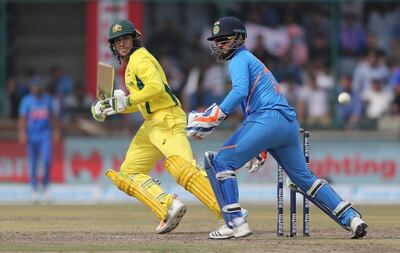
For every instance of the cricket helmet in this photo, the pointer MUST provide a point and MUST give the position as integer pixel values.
(120, 28)
(224, 30)
(227, 26)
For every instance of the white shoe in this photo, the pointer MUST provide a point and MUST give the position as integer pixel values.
(245, 213)
(175, 214)
(358, 227)
(222, 232)
(241, 228)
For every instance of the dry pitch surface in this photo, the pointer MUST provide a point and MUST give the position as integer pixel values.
(129, 228)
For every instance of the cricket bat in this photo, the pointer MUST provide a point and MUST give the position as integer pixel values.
(105, 81)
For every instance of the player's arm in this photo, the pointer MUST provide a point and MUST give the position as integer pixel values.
(153, 86)
(239, 73)
(202, 124)
(130, 109)
(23, 112)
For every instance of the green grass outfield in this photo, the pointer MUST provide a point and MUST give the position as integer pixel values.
(130, 228)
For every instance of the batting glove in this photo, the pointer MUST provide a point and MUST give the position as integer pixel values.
(202, 124)
(97, 111)
(117, 103)
(256, 163)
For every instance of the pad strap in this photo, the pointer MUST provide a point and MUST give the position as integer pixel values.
(232, 208)
(342, 208)
(224, 175)
(316, 186)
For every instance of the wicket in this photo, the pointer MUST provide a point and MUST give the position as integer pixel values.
(292, 196)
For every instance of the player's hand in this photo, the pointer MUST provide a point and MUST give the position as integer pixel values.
(202, 124)
(116, 104)
(97, 111)
(256, 163)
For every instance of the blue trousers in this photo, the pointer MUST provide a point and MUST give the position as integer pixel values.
(39, 147)
(281, 138)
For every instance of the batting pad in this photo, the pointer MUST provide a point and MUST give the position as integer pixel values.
(188, 176)
(216, 185)
(145, 189)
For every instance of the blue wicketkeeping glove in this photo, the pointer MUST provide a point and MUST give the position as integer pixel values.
(202, 124)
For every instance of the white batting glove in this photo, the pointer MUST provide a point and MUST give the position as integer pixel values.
(202, 124)
(116, 104)
(256, 163)
(97, 111)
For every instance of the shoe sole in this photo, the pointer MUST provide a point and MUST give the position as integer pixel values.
(245, 235)
(220, 237)
(361, 231)
(174, 222)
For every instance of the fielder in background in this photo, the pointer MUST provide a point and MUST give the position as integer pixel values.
(38, 124)
(162, 133)
(270, 125)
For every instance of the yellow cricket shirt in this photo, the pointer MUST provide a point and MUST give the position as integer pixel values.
(147, 84)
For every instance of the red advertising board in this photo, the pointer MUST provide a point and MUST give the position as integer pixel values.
(14, 162)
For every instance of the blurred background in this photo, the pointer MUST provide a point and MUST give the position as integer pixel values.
(315, 49)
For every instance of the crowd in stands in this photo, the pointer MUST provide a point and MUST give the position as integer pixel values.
(314, 50)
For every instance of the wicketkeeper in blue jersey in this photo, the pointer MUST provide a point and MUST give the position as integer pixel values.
(270, 125)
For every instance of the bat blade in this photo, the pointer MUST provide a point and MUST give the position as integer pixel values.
(105, 81)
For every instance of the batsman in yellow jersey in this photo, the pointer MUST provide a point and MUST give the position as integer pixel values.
(162, 133)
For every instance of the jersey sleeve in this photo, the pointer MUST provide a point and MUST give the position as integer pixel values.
(149, 75)
(239, 72)
(24, 107)
(131, 109)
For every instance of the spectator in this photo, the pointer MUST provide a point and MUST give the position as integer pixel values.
(262, 53)
(313, 107)
(37, 125)
(60, 86)
(213, 84)
(373, 66)
(394, 82)
(291, 91)
(318, 35)
(173, 73)
(299, 48)
(17, 89)
(78, 103)
(377, 100)
(172, 40)
(195, 54)
(350, 114)
(351, 36)
(352, 42)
